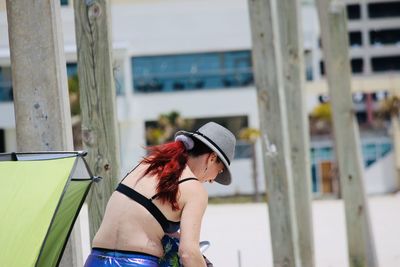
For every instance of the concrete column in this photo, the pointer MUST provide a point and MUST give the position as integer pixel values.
(42, 112)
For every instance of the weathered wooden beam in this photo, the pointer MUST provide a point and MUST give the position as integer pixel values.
(97, 97)
(394, 110)
(291, 48)
(269, 82)
(334, 33)
(395, 133)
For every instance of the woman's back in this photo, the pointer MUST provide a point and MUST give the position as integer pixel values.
(128, 225)
(164, 193)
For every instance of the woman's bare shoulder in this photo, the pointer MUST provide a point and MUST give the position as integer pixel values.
(193, 190)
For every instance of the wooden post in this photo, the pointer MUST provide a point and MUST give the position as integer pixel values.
(274, 131)
(394, 118)
(394, 111)
(97, 96)
(291, 48)
(256, 196)
(334, 33)
(42, 112)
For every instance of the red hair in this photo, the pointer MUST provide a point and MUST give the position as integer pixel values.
(167, 162)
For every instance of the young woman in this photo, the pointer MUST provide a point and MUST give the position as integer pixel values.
(163, 194)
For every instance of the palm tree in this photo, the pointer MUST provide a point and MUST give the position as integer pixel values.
(321, 119)
(167, 125)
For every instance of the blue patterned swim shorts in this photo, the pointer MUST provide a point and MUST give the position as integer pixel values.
(113, 258)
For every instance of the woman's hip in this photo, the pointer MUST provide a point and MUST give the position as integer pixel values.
(100, 257)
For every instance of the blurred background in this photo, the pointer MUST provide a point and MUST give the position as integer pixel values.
(178, 64)
(181, 63)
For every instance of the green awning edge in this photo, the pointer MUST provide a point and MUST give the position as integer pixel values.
(79, 155)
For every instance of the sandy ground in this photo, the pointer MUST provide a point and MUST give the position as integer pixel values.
(239, 233)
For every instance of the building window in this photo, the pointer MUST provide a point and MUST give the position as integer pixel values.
(384, 37)
(308, 64)
(384, 10)
(380, 64)
(72, 69)
(72, 73)
(323, 161)
(158, 132)
(355, 39)
(353, 11)
(192, 71)
(119, 79)
(322, 67)
(2, 141)
(64, 2)
(6, 93)
(357, 65)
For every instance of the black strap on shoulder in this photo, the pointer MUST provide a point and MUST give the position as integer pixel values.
(130, 172)
(145, 202)
(181, 181)
(187, 179)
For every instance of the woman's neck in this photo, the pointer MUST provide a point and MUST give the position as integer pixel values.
(194, 167)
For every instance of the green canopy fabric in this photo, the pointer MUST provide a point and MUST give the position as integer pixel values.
(41, 195)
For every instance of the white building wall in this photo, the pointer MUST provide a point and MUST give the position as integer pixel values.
(192, 104)
(381, 177)
(175, 27)
(11, 140)
(7, 115)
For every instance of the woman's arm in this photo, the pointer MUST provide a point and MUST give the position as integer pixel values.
(196, 200)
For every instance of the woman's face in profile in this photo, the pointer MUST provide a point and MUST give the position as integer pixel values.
(215, 167)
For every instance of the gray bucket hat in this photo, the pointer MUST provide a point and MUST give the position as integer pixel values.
(221, 141)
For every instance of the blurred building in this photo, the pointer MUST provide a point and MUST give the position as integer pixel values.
(194, 57)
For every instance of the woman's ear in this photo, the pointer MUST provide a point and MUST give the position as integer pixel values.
(209, 157)
(214, 156)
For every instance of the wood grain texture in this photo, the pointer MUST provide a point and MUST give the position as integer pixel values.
(97, 96)
(332, 17)
(267, 65)
(291, 48)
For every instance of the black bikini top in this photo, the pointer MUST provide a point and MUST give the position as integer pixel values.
(167, 225)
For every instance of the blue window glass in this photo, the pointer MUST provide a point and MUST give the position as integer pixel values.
(371, 152)
(324, 153)
(370, 155)
(192, 71)
(72, 70)
(314, 178)
(243, 150)
(309, 73)
(6, 93)
(385, 148)
(312, 155)
(119, 80)
(64, 2)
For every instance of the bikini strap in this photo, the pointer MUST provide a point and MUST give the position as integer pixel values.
(187, 179)
(130, 172)
(181, 181)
